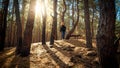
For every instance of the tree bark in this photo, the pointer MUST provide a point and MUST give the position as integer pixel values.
(106, 34)
(87, 24)
(73, 12)
(74, 25)
(25, 51)
(54, 24)
(44, 25)
(55, 19)
(63, 12)
(92, 25)
(19, 27)
(11, 27)
(3, 24)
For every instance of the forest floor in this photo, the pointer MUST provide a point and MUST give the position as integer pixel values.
(64, 54)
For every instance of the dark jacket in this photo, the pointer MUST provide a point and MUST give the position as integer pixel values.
(62, 28)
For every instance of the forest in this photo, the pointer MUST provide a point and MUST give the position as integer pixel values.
(59, 33)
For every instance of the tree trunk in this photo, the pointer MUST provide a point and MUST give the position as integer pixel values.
(23, 16)
(55, 19)
(25, 51)
(14, 34)
(3, 24)
(73, 13)
(87, 24)
(92, 25)
(8, 34)
(12, 25)
(106, 34)
(54, 24)
(63, 12)
(19, 27)
(74, 25)
(44, 25)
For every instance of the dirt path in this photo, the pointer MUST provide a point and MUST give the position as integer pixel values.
(64, 54)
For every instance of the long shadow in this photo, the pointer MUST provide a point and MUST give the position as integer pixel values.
(4, 58)
(20, 62)
(63, 51)
(75, 42)
(6, 50)
(55, 58)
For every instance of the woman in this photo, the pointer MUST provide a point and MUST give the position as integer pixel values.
(62, 30)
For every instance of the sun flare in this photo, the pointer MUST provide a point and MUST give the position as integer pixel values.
(38, 8)
(42, 8)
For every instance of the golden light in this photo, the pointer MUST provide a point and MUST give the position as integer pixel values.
(43, 7)
(38, 8)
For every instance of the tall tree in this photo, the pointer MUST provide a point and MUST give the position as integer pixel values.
(54, 24)
(76, 22)
(11, 26)
(25, 50)
(93, 7)
(55, 18)
(92, 26)
(3, 24)
(63, 12)
(23, 16)
(44, 24)
(87, 24)
(19, 27)
(106, 34)
(73, 12)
